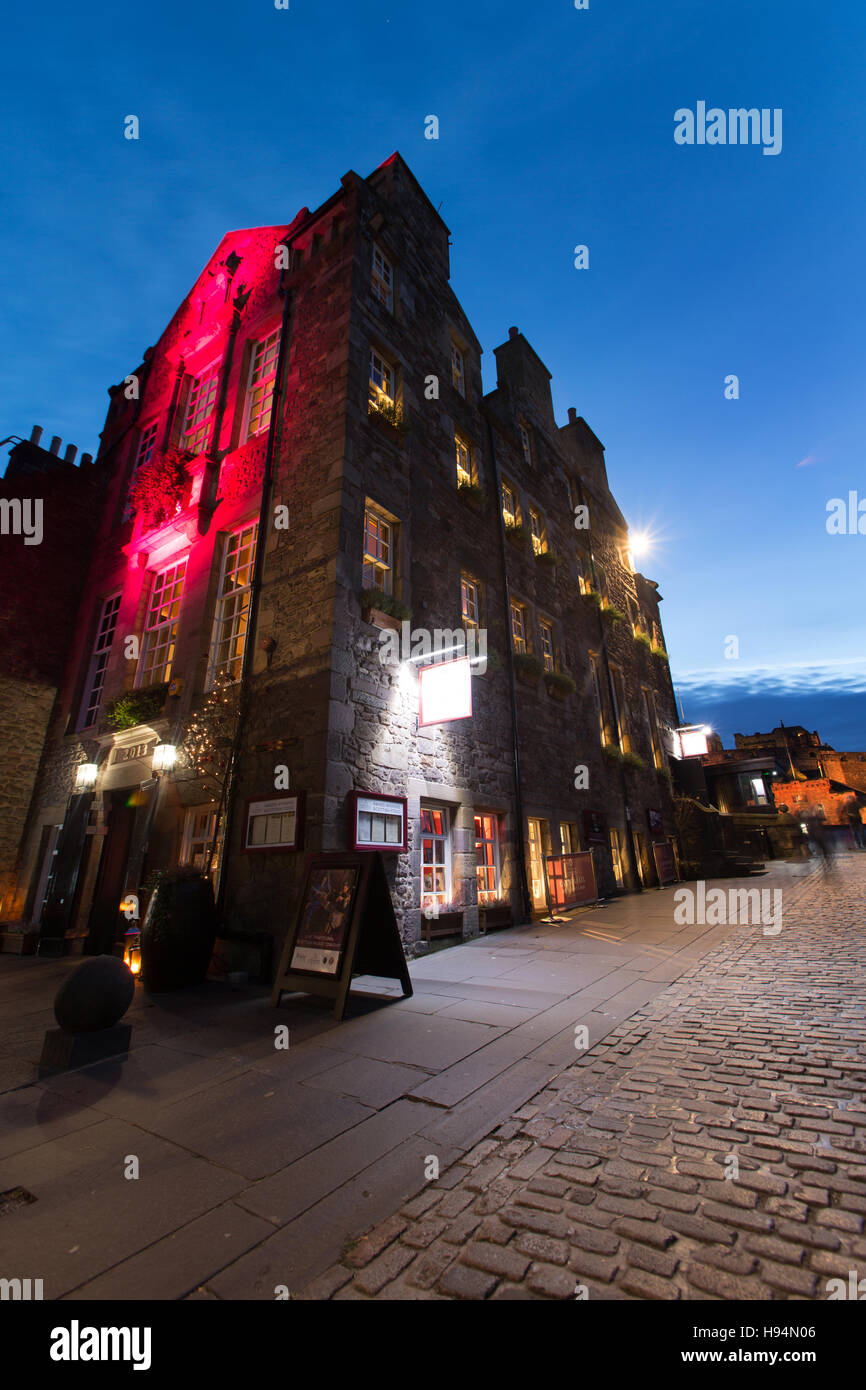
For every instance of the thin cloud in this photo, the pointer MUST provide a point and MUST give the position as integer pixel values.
(794, 678)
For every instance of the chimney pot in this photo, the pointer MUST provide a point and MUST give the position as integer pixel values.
(86, 460)
(572, 415)
(55, 445)
(513, 332)
(71, 451)
(36, 434)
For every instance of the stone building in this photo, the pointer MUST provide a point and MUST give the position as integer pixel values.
(304, 462)
(48, 511)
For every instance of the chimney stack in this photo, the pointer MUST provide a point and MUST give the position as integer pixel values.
(71, 451)
(35, 434)
(572, 415)
(55, 445)
(86, 460)
(513, 332)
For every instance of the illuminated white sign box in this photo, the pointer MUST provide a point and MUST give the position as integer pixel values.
(445, 692)
(690, 741)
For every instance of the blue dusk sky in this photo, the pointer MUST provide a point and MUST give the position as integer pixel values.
(556, 129)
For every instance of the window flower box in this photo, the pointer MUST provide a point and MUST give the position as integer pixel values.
(388, 415)
(613, 753)
(449, 922)
(559, 684)
(660, 653)
(547, 559)
(494, 916)
(473, 493)
(160, 488)
(635, 761)
(593, 596)
(136, 706)
(615, 614)
(527, 667)
(519, 536)
(383, 610)
(643, 639)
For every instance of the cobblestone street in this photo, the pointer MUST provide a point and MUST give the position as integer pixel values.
(619, 1178)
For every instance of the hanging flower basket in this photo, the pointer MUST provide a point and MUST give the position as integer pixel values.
(559, 684)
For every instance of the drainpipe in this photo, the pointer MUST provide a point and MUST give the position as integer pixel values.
(632, 857)
(230, 784)
(515, 742)
(207, 503)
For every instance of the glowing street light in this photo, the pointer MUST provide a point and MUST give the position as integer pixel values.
(164, 756)
(85, 776)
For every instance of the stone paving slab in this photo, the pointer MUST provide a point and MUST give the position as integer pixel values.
(711, 1146)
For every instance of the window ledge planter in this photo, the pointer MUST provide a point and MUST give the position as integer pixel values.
(559, 684)
(616, 615)
(644, 640)
(518, 535)
(527, 667)
(612, 753)
(473, 493)
(664, 774)
(136, 706)
(494, 916)
(592, 596)
(547, 559)
(383, 610)
(448, 923)
(660, 653)
(389, 417)
(635, 761)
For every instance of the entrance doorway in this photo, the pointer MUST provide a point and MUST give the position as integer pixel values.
(539, 840)
(106, 922)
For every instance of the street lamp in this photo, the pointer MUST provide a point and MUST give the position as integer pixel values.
(164, 756)
(85, 777)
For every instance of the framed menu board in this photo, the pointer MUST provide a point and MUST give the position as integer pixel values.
(274, 823)
(344, 925)
(377, 821)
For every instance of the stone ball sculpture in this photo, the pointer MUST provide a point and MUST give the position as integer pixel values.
(94, 996)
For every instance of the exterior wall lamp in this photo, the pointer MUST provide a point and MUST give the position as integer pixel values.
(164, 757)
(85, 776)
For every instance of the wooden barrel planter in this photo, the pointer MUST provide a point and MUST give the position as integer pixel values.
(178, 933)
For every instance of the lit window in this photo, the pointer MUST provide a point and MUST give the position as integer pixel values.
(518, 627)
(146, 444)
(569, 837)
(233, 603)
(98, 662)
(548, 655)
(539, 531)
(435, 858)
(260, 387)
(617, 854)
(199, 409)
(383, 279)
(469, 602)
(458, 371)
(583, 574)
(510, 509)
(381, 379)
(619, 707)
(526, 444)
(198, 833)
(487, 858)
(650, 710)
(596, 686)
(160, 633)
(464, 461)
(378, 548)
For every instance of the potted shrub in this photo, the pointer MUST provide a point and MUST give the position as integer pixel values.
(136, 706)
(527, 667)
(559, 684)
(179, 930)
(157, 489)
(634, 760)
(517, 534)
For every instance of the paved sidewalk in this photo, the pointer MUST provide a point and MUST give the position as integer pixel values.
(259, 1167)
(618, 1181)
